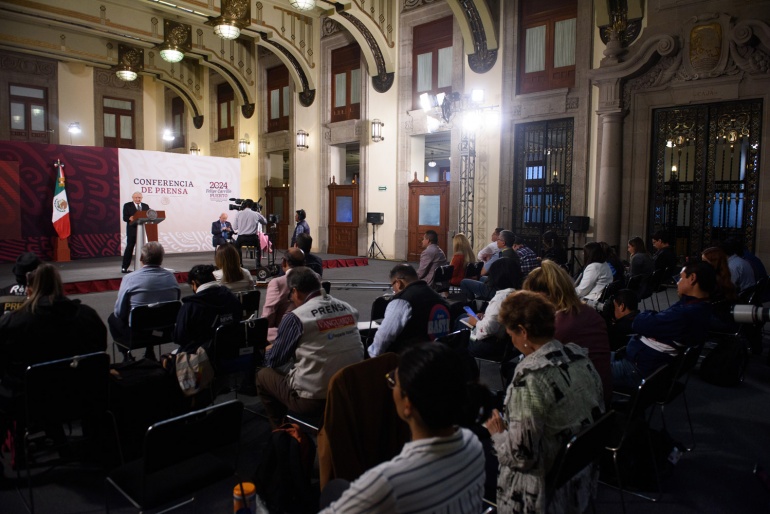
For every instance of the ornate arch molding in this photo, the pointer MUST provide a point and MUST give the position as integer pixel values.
(479, 30)
(301, 76)
(381, 63)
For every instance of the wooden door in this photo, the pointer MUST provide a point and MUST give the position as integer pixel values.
(343, 219)
(277, 202)
(428, 210)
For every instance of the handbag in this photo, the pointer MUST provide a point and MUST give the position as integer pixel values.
(194, 371)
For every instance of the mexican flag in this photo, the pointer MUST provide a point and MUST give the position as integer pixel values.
(61, 208)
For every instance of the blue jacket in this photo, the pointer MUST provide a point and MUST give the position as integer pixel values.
(683, 324)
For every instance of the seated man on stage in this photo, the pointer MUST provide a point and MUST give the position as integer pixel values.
(221, 231)
(416, 313)
(150, 284)
(315, 340)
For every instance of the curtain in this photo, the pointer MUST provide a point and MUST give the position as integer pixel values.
(564, 43)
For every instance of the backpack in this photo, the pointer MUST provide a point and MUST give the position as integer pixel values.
(726, 363)
(283, 475)
(194, 371)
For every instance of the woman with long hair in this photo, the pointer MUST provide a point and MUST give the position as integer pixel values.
(462, 255)
(555, 392)
(640, 261)
(442, 468)
(576, 322)
(48, 326)
(230, 273)
(596, 274)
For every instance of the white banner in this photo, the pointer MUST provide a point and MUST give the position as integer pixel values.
(193, 190)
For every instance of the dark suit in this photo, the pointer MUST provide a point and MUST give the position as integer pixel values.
(216, 231)
(129, 209)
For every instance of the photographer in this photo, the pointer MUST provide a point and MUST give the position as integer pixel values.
(247, 227)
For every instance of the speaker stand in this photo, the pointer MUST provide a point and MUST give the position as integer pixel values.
(374, 248)
(574, 259)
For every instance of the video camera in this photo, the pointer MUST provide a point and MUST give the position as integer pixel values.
(240, 203)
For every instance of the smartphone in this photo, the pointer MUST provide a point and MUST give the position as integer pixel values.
(470, 312)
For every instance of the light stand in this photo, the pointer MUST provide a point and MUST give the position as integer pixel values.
(574, 259)
(374, 248)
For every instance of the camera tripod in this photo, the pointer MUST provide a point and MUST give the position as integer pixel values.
(574, 258)
(374, 248)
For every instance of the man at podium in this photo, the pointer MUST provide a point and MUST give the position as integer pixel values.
(129, 209)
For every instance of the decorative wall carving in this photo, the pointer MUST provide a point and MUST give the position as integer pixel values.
(381, 80)
(307, 95)
(329, 27)
(409, 5)
(482, 59)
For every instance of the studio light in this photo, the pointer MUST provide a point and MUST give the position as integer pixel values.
(74, 128)
(168, 135)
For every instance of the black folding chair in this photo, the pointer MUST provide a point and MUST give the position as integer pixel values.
(582, 450)
(473, 270)
(236, 351)
(645, 395)
(327, 286)
(250, 301)
(149, 326)
(73, 392)
(441, 278)
(181, 456)
(376, 315)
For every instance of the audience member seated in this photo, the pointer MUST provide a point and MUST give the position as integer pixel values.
(553, 249)
(431, 257)
(616, 265)
(491, 249)
(277, 302)
(664, 257)
(305, 242)
(741, 272)
(576, 322)
(505, 243)
(661, 336)
(416, 313)
(487, 334)
(555, 393)
(625, 308)
(149, 284)
(527, 257)
(479, 289)
(596, 275)
(724, 295)
(25, 263)
(462, 256)
(210, 306)
(640, 261)
(230, 273)
(48, 326)
(442, 468)
(315, 340)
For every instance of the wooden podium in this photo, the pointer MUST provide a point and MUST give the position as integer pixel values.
(147, 221)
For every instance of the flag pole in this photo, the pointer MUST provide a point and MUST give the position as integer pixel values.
(61, 248)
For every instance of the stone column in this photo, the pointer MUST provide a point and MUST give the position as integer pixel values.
(608, 181)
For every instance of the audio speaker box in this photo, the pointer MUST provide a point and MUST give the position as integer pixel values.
(375, 218)
(578, 224)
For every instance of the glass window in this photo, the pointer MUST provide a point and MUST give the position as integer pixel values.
(432, 58)
(346, 83)
(564, 44)
(340, 84)
(535, 44)
(38, 118)
(109, 125)
(424, 72)
(279, 98)
(355, 86)
(118, 116)
(118, 104)
(18, 119)
(275, 104)
(430, 210)
(344, 209)
(29, 92)
(225, 112)
(28, 108)
(286, 100)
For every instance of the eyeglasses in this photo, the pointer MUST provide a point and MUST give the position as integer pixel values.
(390, 378)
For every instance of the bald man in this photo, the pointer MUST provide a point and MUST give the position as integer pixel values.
(221, 230)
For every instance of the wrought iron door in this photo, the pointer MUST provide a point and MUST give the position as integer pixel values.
(542, 179)
(706, 173)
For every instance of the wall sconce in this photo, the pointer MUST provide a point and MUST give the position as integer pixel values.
(131, 61)
(177, 38)
(236, 15)
(243, 146)
(377, 131)
(302, 137)
(302, 5)
(168, 136)
(74, 128)
(194, 150)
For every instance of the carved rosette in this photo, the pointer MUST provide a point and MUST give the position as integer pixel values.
(247, 110)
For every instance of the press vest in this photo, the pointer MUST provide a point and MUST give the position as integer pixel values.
(430, 316)
(330, 341)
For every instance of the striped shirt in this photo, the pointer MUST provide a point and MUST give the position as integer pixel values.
(439, 474)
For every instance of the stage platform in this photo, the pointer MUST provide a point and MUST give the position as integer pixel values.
(103, 274)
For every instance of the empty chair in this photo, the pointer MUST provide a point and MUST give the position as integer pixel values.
(67, 391)
(181, 456)
(250, 302)
(376, 315)
(442, 277)
(150, 325)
